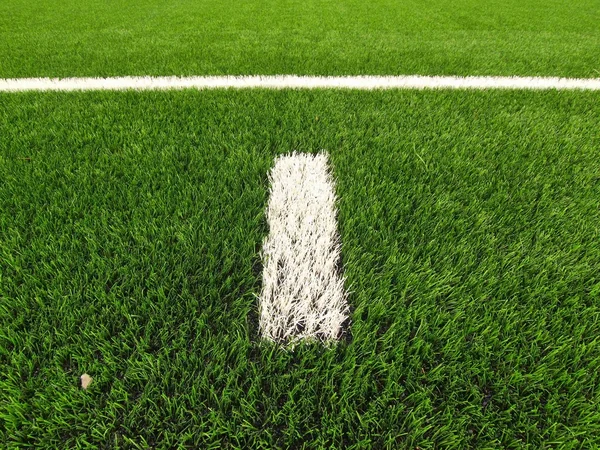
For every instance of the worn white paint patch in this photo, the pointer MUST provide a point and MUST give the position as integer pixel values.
(303, 294)
(296, 82)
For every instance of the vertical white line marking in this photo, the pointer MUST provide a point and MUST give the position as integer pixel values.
(303, 294)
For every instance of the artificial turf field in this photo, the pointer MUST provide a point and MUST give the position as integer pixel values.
(303, 37)
(131, 229)
(131, 225)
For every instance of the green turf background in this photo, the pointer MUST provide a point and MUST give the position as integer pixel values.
(130, 231)
(324, 37)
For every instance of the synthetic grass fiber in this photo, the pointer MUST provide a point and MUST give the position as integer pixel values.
(131, 226)
(304, 37)
(302, 294)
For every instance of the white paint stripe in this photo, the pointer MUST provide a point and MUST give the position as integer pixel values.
(295, 82)
(303, 294)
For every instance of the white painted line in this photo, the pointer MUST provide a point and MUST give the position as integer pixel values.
(296, 82)
(303, 294)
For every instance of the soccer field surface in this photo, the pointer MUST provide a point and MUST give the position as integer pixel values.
(131, 232)
(302, 37)
(133, 226)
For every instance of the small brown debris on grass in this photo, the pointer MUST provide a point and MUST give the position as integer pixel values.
(86, 380)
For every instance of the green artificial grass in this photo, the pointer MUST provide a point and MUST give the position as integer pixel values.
(130, 234)
(343, 37)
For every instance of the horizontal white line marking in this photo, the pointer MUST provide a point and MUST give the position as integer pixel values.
(295, 82)
(303, 294)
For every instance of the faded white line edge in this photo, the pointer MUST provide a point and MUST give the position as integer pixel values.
(303, 295)
(296, 82)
